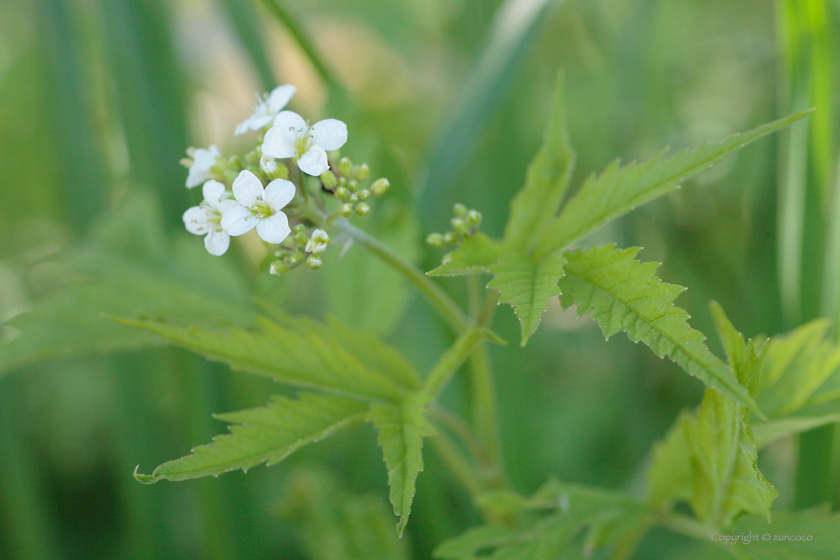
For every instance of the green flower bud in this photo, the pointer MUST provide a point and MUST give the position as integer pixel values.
(474, 218)
(353, 185)
(341, 193)
(300, 228)
(301, 239)
(346, 210)
(450, 238)
(294, 259)
(435, 240)
(362, 210)
(278, 268)
(353, 198)
(380, 186)
(328, 178)
(313, 262)
(236, 163)
(460, 226)
(459, 210)
(345, 167)
(342, 181)
(364, 194)
(362, 173)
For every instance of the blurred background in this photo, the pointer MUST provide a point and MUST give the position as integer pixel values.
(448, 99)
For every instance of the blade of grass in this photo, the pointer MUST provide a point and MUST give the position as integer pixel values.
(302, 39)
(514, 28)
(831, 279)
(244, 20)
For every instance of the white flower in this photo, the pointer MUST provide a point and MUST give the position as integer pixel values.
(292, 137)
(202, 163)
(318, 242)
(258, 207)
(266, 108)
(206, 219)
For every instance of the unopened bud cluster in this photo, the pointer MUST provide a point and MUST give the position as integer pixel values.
(308, 249)
(464, 222)
(346, 183)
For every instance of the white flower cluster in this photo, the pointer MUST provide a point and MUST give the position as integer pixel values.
(251, 203)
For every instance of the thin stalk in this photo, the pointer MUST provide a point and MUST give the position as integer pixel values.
(440, 300)
(458, 464)
(485, 415)
(684, 525)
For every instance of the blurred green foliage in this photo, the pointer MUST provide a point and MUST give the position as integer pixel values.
(98, 101)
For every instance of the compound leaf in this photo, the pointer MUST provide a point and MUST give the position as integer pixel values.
(623, 294)
(402, 427)
(618, 190)
(264, 435)
(476, 253)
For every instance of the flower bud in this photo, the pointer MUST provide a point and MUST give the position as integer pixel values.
(459, 210)
(435, 240)
(346, 210)
(345, 167)
(236, 163)
(300, 228)
(353, 198)
(329, 180)
(460, 226)
(450, 238)
(294, 259)
(313, 262)
(342, 181)
(353, 185)
(362, 173)
(474, 218)
(364, 194)
(341, 193)
(301, 239)
(380, 186)
(278, 268)
(362, 210)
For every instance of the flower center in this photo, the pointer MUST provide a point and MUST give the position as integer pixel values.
(304, 140)
(261, 209)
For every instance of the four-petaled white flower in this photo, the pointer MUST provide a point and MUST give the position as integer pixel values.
(202, 164)
(258, 207)
(266, 108)
(206, 218)
(318, 242)
(292, 137)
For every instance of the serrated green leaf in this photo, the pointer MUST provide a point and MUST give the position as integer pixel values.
(623, 294)
(476, 253)
(801, 373)
(726, 479)
(801, 535)
(266, 434)
(669, 474)
(401, 428)
(546, 182)
(610, 516)
(527, 284)
(307, 359)
(745, 359)
(618, 190)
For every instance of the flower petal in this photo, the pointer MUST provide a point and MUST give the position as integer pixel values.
(241, 128)
(195, 220)
(280, 97)
(290, 120)
(247, 188)
(279, 193)
(212, 191)
(236, 219)
(313, 161)
(279, 142)
(330, 134)
(217, 242)
(274, 229)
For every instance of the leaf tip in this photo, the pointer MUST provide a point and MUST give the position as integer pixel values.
(143, 478)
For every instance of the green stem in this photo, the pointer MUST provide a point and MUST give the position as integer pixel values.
(458, 464)
(443, 304)
(684, 525)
